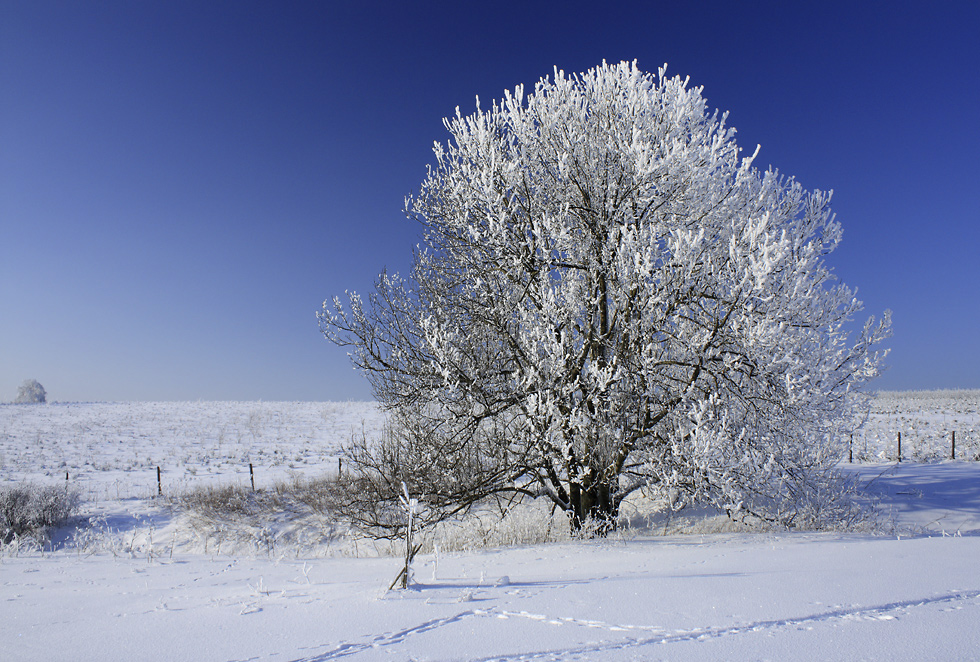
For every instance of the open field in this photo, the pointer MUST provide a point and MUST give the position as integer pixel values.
(927, 421)
(113, 449)
(116, 447)
(133, 568)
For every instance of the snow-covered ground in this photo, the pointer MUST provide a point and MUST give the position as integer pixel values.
(914, 594)
(734, 597)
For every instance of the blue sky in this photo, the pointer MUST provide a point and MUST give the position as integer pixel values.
(182, 184)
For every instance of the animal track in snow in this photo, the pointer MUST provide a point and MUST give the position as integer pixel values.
(885, 612)
(649, 634)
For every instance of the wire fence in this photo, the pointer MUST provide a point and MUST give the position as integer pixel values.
(896, 445)
(919, 426)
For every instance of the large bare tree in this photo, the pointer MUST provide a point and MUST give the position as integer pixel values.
(609, 296)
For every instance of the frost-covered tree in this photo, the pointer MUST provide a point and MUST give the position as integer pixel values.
(610, 296)
(31, 392)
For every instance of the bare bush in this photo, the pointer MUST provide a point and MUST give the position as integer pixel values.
(218, 500)
(299, 512)
(319, 495)
(30, 510)
(420, 454)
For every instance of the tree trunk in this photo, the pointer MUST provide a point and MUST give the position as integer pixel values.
(593, 508)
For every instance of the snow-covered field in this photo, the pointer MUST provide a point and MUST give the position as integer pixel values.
(113, 449)
(926, 420)
(129, 591)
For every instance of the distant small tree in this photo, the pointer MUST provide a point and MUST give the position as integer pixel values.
(31, 392)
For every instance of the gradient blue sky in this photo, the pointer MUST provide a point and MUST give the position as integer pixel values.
(182, 184)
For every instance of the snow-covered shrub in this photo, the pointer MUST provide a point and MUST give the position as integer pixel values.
(297, 513)
(530, 523)
(30, 510)
(219, 500)
(319, 495)
(31, 392)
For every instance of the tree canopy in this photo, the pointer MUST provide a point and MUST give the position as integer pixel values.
(31, 392)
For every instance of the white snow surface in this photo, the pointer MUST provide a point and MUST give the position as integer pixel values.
(914, 594)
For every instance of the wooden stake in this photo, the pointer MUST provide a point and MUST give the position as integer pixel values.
(952, 450)
(899, 446)
(159, 484)
(251, 475)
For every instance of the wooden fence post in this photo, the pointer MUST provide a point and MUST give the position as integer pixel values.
(159, 484)
(900, 446)
(952, 449)
(850, 449)
(251, 475)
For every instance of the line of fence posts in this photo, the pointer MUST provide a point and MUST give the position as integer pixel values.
(251, 475)
(251, 478)
(952, 445)
(850, 447)
(340, 461)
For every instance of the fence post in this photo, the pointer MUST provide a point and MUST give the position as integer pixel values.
(900, 446)
(159, 484)
(850, 449)
(952, 449)
(251, 475)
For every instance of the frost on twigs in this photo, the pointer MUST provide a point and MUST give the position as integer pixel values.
(610, 296)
